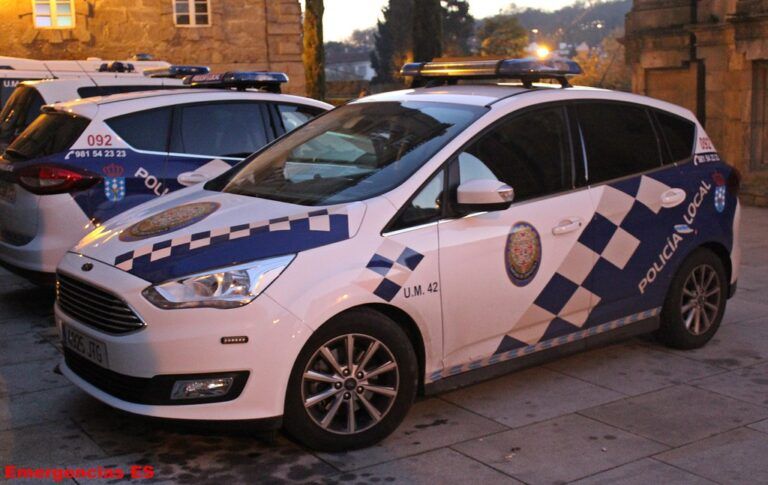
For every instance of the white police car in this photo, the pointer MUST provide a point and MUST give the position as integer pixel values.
(14, 70)
(410, 241)
(24, 105)
(85, 161)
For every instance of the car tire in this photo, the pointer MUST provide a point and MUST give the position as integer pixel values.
(378, 389)
(695, 302)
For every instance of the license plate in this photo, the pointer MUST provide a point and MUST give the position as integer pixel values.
(86, 346)
(7, 192)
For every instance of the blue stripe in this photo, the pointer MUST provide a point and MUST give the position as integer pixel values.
(223, 252)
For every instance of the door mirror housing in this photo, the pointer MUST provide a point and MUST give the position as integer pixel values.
(210, 170)
(484, 195)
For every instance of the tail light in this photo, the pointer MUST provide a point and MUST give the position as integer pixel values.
(54, 179)
(734, 182)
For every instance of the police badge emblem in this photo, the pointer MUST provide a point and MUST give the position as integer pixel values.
(169, 220)
(114, 182)
(522, 255)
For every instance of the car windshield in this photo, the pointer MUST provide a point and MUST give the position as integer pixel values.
(49, 134)
(22, 108)
(353, 153)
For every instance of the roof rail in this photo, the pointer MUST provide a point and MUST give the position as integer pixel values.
(529, 71)
(239, 80)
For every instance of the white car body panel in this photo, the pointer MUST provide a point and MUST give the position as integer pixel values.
(474, 310)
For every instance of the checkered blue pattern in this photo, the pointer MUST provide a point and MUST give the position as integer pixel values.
(389, 269)
(606, 245)
(318, 221)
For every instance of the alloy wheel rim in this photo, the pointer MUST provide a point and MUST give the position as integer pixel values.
(700, 303)
(350, 384)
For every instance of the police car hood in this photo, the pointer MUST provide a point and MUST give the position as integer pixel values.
(195, 230)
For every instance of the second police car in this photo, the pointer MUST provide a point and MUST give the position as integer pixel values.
(410, 241)
(23, 106)
(85, 161)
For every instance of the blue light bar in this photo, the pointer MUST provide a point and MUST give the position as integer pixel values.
(532, 66)
(241, 80)
(176, 71)
(527, 70)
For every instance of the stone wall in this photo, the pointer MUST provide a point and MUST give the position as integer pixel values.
(709, 56)
(252, 34)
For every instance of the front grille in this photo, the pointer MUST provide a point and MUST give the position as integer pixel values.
(95, 307)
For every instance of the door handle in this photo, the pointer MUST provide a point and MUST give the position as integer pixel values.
(568, 225)
(672, 198)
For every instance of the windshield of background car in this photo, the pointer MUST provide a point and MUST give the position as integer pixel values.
(49, 134)
(22, 108)
(353, 153)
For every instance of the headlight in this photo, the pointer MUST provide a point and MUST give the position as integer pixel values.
(226, 288)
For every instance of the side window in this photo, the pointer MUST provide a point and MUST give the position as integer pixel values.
(529, 152)
(144, 130)
(233, 130)
(680, 135)
(292, 115)
(425, 207)
(619, 140)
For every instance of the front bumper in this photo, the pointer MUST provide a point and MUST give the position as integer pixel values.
(183, 343)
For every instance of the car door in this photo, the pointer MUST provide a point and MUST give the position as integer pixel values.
(208, 137)
(638, 202)
(514, 278)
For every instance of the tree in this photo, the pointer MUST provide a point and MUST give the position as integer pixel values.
(363, 38)
(392, 40)
(458, 28)
(314, 54)
(502, 35)
(427, 30)
(604, 66)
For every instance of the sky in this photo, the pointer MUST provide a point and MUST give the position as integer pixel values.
(343, 16)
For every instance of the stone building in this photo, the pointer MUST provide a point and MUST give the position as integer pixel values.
(710, 56)
(224, 34)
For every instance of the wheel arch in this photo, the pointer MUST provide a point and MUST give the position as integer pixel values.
(406, 323)
(725, 257)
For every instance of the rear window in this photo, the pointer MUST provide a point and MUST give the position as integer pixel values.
(619, 140)
(7, 87)
(144, 130)
(49, 134)
(679, 134)
(22, 109)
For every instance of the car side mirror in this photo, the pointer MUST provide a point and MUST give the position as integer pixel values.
(191, 178)
(484, 195)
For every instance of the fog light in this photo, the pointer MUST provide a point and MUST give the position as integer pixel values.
(201, 388)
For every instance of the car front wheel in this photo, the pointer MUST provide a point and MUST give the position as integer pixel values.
(352, 384)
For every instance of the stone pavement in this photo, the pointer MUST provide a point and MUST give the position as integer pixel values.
(634, 412)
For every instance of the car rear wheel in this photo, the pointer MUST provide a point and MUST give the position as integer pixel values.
(695, 302)
(352, 384)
